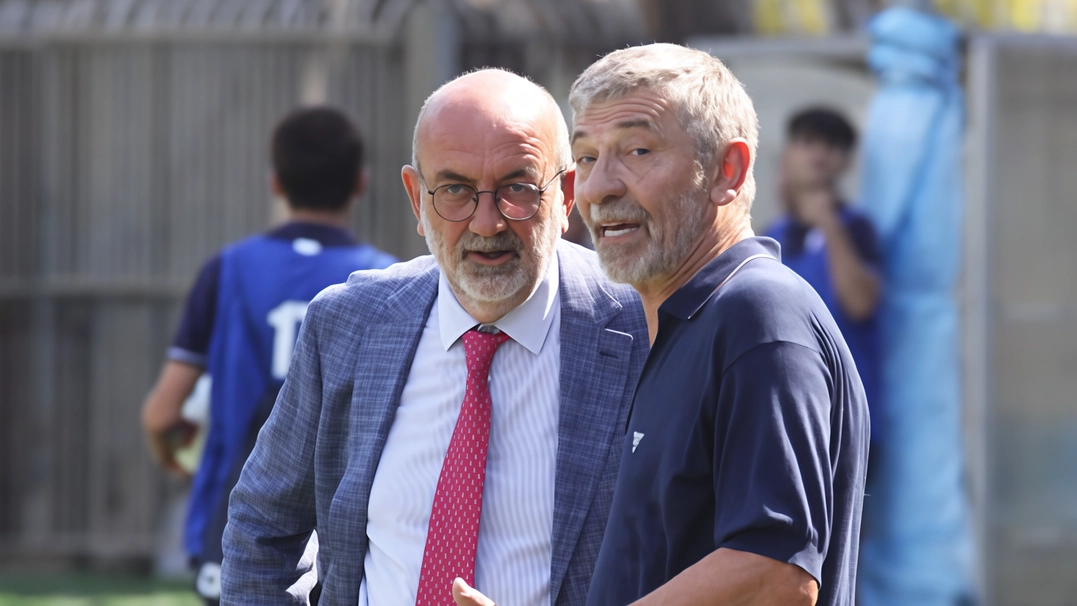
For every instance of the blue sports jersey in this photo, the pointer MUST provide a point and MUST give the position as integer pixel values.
(263, 288)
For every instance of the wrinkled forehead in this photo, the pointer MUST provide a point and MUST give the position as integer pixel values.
(640, 108)
(661, 92)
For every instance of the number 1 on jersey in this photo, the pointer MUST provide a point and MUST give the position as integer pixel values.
(285, 320)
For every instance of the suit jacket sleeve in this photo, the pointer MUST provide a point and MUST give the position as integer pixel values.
(271, 512)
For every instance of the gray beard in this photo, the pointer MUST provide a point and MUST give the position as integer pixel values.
(663, 252)
(490, 283)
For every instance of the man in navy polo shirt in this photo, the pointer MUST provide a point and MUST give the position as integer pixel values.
(742, 471)
(243, 315)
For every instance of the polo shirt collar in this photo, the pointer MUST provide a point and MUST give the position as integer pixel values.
(690, 298)
(528, 324)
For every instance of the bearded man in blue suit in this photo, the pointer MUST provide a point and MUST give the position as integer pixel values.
(458, 415)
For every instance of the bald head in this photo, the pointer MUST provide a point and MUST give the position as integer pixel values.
(492, 133)
(491, 98)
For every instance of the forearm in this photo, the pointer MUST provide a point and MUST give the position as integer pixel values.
(855, 283)
(736, 578)
(162, 411)
(165, 400)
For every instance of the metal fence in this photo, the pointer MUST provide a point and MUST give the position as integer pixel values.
(133, 143)
(138, 158)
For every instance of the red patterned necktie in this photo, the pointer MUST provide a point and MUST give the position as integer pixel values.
(453, 535)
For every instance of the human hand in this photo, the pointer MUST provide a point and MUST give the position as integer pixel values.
(815, 206)
(465, 595)
(167, 431)
(167, 434)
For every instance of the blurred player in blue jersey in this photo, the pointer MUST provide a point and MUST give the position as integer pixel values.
(243, 314)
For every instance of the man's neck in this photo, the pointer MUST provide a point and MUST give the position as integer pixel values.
(338, 218)
(655, 292)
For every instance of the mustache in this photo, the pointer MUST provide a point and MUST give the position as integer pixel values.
(472, 242)
(620, 211)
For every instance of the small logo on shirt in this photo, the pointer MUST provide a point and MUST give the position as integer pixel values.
(636, 437)
(307, 247)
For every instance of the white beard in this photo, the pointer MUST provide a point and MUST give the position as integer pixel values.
(493, 283)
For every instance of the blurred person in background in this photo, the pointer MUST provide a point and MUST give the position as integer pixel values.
(243, 314)
(460, 414)
(832, 245)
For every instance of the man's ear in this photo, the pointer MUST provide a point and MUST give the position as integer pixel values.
(568, 193)
(361, 183)
(733, 165)
(413, 185)
(275, 187)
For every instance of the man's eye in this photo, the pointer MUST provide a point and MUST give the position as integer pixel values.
(639, 151)
(517, 188)
(584, 160)
(455, 189)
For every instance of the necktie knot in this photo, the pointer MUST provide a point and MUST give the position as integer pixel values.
(480, 347)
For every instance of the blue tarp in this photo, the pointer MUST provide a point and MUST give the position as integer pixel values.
(916, 547)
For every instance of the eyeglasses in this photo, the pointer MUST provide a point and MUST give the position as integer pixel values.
(515, 201)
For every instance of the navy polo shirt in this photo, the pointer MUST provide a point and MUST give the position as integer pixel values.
(748, 431)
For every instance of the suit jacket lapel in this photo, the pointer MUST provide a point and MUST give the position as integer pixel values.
(593, 376)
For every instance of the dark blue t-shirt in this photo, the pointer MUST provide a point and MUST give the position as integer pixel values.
(748, 431)
(804, 251)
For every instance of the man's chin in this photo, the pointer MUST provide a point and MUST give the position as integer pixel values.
(478, 273)
(492, 286)
(622, 270)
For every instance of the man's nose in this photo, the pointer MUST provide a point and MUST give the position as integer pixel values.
(487, 220)
(602, 183)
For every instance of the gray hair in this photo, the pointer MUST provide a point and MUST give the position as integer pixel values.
(712, 104)
(562, 148)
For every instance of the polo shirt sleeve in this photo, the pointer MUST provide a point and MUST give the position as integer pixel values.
(772, 463)
(191, 341)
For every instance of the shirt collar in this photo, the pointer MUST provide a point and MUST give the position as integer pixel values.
(326, 235)
(528, 324)
(690, 298)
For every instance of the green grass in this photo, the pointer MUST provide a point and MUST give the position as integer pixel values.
(86, 590)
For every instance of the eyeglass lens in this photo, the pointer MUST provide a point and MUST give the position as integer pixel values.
(456, 202)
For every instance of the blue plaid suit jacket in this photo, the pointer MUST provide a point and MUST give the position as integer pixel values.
(316, 456)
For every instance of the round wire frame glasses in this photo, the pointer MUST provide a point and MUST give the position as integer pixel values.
(457, 202)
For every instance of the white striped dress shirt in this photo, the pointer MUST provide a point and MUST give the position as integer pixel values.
(514, 552)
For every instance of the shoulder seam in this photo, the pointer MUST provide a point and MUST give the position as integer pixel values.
(767, 344)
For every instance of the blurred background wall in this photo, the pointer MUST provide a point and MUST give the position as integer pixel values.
(133, 143)
(1020, 307)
